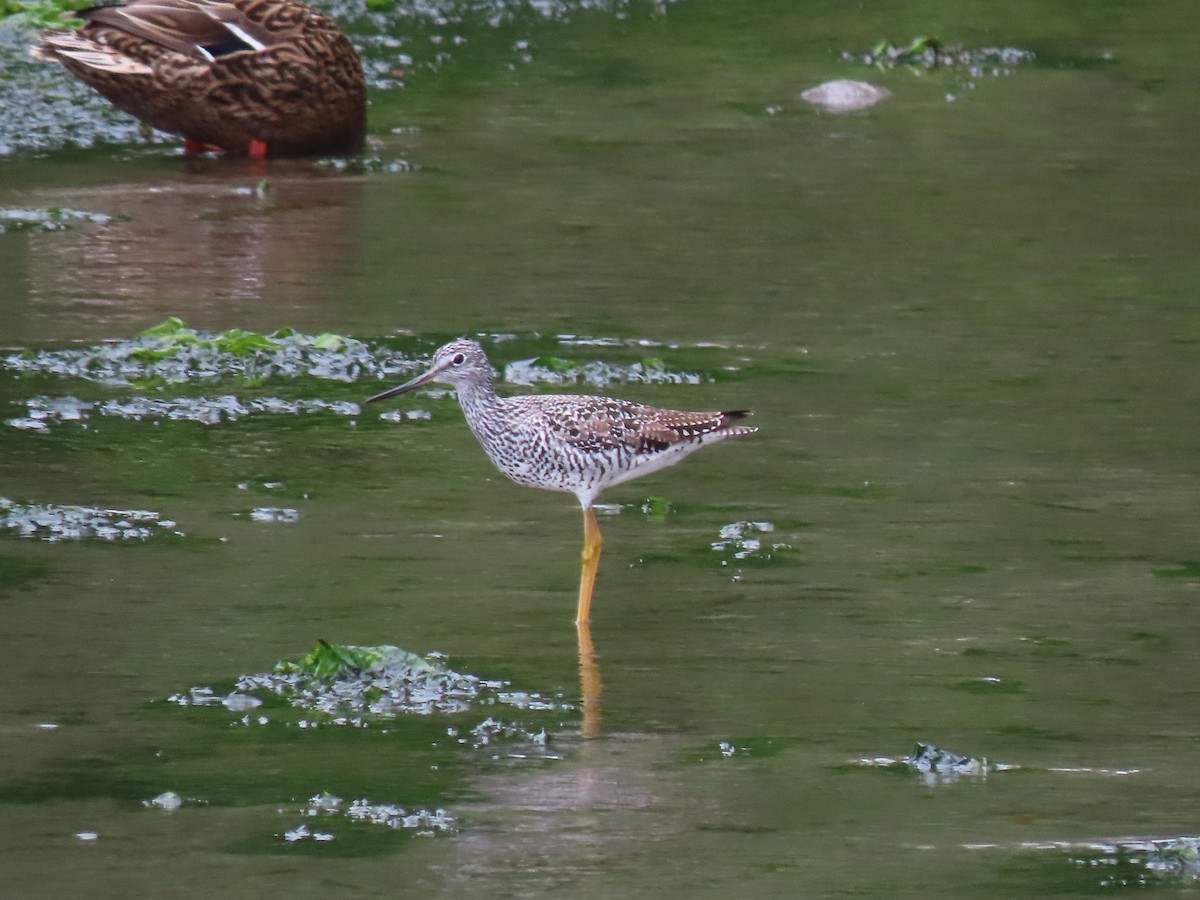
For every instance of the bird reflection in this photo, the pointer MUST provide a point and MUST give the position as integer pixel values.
(216, 244)
(589, 681)
(548, 828)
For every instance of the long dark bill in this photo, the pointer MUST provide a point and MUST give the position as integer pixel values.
(407, 386)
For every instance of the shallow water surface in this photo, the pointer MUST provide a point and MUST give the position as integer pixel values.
(965, 320)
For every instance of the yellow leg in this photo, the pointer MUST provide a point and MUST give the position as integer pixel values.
(589, 681)
(592, 544)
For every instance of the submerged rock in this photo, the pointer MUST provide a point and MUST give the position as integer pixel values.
(844, 95)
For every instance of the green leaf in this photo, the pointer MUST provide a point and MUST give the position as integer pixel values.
(171, 326)
(149, 354)
(243, 343)
(656, 507)
(187, 338)
(331, 660)
(328, 660)
(327, 341)
(555, 363)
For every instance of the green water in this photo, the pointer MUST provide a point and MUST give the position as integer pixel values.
(968, 332)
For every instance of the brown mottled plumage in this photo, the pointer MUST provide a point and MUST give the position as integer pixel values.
(570, 442)
(233, 74)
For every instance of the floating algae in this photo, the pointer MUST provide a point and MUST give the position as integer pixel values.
(325, 807)
(174, 353)
(53, 523)
(52, 219)
(355, 686)
(43, 411)
(274, 514)
(1126, 861)
(1168, 857)
(741, 541)
(937, 766)
(927, 54)
(553, 370)
(964, 67)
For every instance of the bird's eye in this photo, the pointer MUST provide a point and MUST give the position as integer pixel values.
(459, 359)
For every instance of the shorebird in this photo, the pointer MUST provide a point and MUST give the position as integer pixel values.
(570, 442)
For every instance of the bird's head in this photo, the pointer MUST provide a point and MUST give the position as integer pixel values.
(454, 363)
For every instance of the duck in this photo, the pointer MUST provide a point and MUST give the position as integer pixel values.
(253, 78)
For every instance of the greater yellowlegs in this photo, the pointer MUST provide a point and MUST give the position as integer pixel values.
(570, 442)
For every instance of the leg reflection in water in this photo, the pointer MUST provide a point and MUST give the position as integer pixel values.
(589, 681)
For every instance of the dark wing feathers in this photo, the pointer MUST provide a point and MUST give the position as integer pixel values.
(648, 429)
(673, 426)
(179, 26)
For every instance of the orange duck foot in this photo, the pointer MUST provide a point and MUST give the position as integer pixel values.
(256, 149)
(191, 145)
